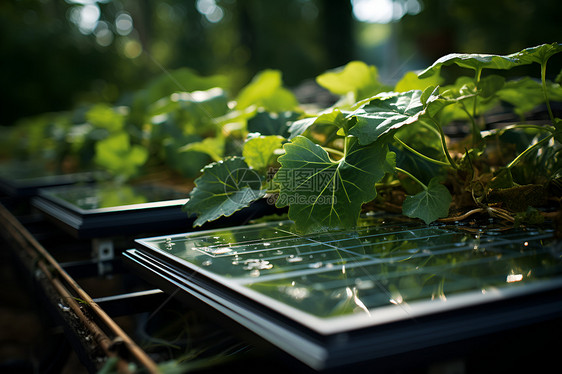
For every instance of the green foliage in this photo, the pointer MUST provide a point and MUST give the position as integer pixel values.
(355, 81)
(525, 94)
(323, 193)
(117, 155)
(539, 54)
(385, 114)
(430, 204)
(260, 152)
(411, 81)
(267, 123)
(266, 91)
(224, 188)
(475, 62)
(105, 117)
(373, 148)
(214, 147)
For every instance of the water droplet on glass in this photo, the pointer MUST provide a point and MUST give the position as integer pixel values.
(316, 265)
(255, 273)
(293, 258)
(207, 263)
(253, 264)
(364, 284)
(278, 252)
(266, 244)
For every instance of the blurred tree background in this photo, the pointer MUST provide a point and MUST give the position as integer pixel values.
(59, 54)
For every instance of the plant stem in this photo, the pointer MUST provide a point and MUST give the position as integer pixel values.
(475, 130)
(438, 162)
(476, 82)
(549, 129)
(334, 151)
(528, 150)
(444, 144)
(393, 183)
(346, 145)
(411, 176)
(545, 92)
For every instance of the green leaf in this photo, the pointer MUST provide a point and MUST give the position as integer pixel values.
(502, 179)
(490, 85)
(187, 163)
(258, 152)
(334, 117)
(474, 62)
(214, 147)
(322, 193)
(224, 188)
(266, 91)
(411, 81)
(539, 54)
(119, 157)
(194, 112)
(525, 94)
(430, 204)
(355, 78)
(435, 102)
(104, 116)
(382, 115)
(267, 123)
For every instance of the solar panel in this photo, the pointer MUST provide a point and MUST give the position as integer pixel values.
(20, 178)
(105, 209)
(329, 298)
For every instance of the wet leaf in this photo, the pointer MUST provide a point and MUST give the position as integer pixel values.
(472, 61)
(322, 193)
(430, 204)
(224, 188)
(382, 115)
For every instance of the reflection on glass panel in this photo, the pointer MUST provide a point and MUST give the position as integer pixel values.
(90, 197)
(378, 264)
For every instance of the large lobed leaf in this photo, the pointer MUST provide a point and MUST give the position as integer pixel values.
(384, 114)
(224, 188)
(430, 204)
(539, 54)
(323, 193)
(473, 61)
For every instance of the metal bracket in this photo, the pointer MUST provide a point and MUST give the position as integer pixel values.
(103, 252)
